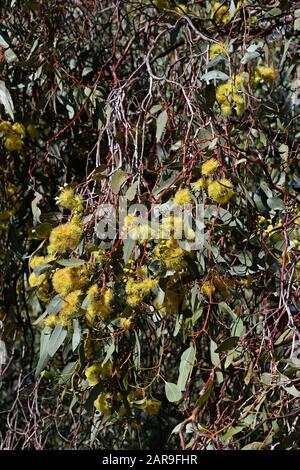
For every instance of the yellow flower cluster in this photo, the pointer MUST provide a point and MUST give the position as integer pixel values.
(68, 279)
(230, 95)
(35, 280)
(201, 183)
(137, 228)
(172, 301)
(96, 372)
(183, 196)
(104, 403)
(220, 14)
(71, 304)
(266, 226)
(173, 226)
(37, 261)
(218, 285)
(51, 321)
(151, 406)
(100, 303)
(209, 166)
(267, 74)
(220, 191)
(171, 254)
(69, 200)
(64, 237)
(33, 131)
(137, 290)
(14, 135)
(217, 49)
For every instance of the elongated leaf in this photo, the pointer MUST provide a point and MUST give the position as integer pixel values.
(76, 334)
(186, 367)
(6, 100)
(44, 356)
(56, 340)
(161, 123)
(72, 262)
(54, 305)
(67, 372)
(228, 344)
(215, 359)
(117, 180)
(128, 246)
(214, 75)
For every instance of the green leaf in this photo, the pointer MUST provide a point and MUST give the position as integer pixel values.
(76, 334)
(44, 356)
(275, 203)
(249, 56)
(137, 351)
(253, 446)
(228, 344)
(196, 315)
(56, 340)
(231, 432)
(215, 359)
(214, 75)
(71, 263)
(172, 392)
(161, 123)
(117, 180)
(6, 100)
(109, 352)
(131, 192)
(40, 231)
(186, 366)
(205, 396)
(128, 246)
(67, 373)
(54, 305)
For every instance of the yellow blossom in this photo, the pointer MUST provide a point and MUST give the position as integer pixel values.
(69, 200)
(200, 183)
(19, 129)
(5, 127)
(137, 290)
(71, 303)
(50, 321)
(183, 196)
(209, 166)
(68, 279)
(37, 261)
(64, 237)
(220, 191)
(217, 49)
(181, 8)
(268, 74)
(220, 14)
(35, 281)
(33, 131)
(151, 406)
(96, 372)
(104, 403)
(13, 143)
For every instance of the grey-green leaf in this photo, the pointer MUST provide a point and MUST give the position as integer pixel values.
(6, 100)
(56, 340)
(172, 391)
(161, 123)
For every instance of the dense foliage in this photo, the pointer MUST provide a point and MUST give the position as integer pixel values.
(141, 341)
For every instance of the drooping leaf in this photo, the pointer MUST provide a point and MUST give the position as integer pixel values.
(161, 123)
